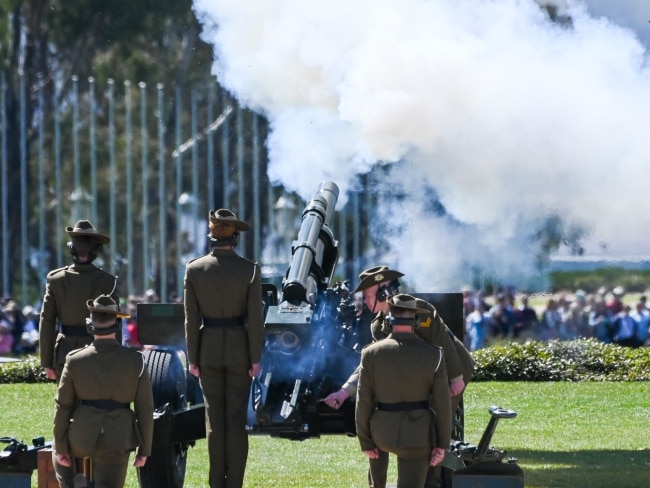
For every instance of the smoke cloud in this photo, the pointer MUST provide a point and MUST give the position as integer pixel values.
(501, 114)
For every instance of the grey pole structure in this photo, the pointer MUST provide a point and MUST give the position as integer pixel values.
(57, 177)
(5, 199)
(195, 168)
(257, 227)
(225, 156)
(145, 186)
(42, 269)
(162, 199)
(93, 152)
(128, 156)
(241, 183)
(180, 271)
(75, 149)
(113, 176)
(23, 189)
(210, 160)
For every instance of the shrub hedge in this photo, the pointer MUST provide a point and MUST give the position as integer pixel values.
(579, 360)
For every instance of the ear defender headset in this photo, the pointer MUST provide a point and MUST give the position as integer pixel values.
(385, 291)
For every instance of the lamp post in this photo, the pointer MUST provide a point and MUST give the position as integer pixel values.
(189, 243)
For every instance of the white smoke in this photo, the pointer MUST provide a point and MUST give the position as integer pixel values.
(506, 116)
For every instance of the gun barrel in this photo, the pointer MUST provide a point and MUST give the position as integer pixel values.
(315, 252)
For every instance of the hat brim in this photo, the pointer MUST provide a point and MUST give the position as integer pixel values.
(103, 239)
(368, 281)
(239, 225)
(118, 314)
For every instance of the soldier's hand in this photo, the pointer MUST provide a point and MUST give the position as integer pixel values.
(372, 453)
(437, 455)
(139, 461)
(50, 373)
(456, 387)
(254, 370)
(64, 460)
(194, 370)
(336, 399)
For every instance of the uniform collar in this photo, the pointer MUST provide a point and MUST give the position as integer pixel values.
(84, 267)
(105, 344)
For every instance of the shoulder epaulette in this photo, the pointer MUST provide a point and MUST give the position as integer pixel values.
(58, 270)
(254, 263)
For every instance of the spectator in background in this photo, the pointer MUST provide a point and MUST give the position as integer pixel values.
(615, 305)
(6, 336)
(599, 322)
(551, 319)
(16, 320)
(501, 317)
(625, 328)
(527, 320)
(641, 315)
(29, 338)
(476, 324)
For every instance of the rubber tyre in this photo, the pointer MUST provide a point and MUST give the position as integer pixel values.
(165, 468)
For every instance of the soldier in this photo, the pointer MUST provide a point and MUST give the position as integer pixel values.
(66, 292)
(93, 415)
(224, 330)
(403, 403)
(377, 284)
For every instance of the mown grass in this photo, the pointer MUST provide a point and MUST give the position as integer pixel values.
(566, 435)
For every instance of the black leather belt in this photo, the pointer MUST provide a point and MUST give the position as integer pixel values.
(105, 404)
(224, 322)
(74, 330)
(402, 406)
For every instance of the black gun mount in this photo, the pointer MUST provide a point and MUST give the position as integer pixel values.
(311, 336)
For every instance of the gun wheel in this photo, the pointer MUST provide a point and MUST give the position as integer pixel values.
(165, 468)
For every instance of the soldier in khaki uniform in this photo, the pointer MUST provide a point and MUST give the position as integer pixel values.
(62, 326)
(93, 415)
(377, 284)
(224, 330)
(403, 403)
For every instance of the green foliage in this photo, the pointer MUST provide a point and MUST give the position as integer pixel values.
(580, 360)
(590, 281)
(27, 371)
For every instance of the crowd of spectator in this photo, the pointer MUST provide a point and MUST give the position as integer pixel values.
(18, 328)
(508, 315)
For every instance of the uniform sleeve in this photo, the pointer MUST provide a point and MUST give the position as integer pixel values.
(440, 335)
(441, 404)
(65, 402)
(143, 408)
(47, 326)
(364, 405)
(192, 319)
(352, 382)
(255, 317)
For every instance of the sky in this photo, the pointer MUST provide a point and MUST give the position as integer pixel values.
(503, 115)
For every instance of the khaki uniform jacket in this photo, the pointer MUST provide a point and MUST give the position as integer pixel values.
(104, 370)
(66, 293)
(223, 284)
(458, 360)
(403, 368)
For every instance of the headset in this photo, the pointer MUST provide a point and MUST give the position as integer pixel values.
(385, 291)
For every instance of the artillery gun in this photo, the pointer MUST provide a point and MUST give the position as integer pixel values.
(313, 341)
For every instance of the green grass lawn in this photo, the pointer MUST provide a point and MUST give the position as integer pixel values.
(592, 435)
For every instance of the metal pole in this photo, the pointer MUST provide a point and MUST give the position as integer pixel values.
(225, 155)
(57, 177)
(75, 148)
(145, 194)
(129, 189)
(23, 189)
(195, 168)
(113, 175)
(210, 161)
(257, 223)
(42, 269)
(162, 204)
(179, 189)
(5, 199)
(240, 172)
(93, 152)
